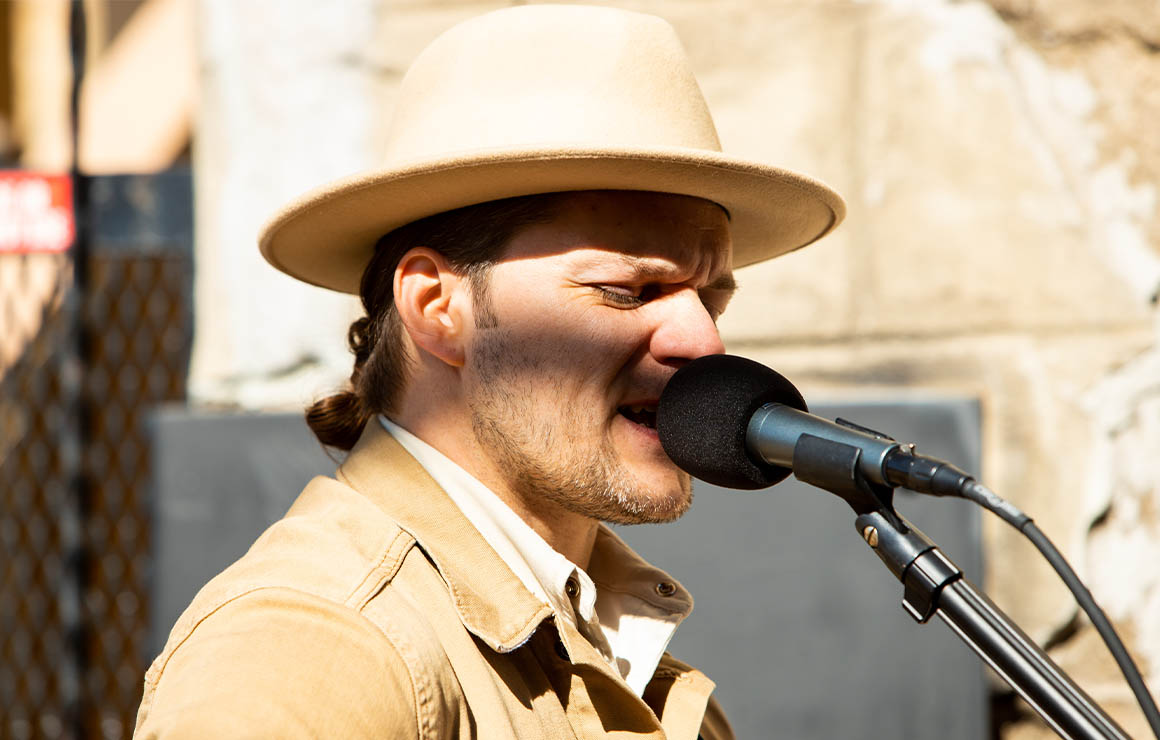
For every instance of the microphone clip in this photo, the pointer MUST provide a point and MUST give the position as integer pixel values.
(833, 466)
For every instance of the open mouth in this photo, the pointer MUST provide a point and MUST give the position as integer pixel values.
(643, 414)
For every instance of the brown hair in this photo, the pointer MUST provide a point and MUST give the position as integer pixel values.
(472, 239)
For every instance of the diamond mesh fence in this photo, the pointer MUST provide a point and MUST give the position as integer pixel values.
(73, 667)
(34, 484)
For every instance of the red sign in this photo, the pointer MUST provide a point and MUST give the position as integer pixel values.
(36, 212)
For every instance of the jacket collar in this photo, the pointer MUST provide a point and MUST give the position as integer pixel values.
(492, 602)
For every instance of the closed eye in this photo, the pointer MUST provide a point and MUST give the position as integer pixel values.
(626, 296)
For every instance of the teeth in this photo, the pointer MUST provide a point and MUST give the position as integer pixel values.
(637, 409)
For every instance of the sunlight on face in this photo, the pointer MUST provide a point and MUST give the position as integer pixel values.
(589, 316)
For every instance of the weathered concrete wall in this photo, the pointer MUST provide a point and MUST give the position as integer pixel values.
(1115, 46)
(1002, 242)
(1001, 166)
(288, 101)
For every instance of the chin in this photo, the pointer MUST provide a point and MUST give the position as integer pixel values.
(657, 499)
(663, 480)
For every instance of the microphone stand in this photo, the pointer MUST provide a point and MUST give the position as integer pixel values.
(932, 584)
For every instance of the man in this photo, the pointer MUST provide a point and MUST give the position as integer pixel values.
(553, 235)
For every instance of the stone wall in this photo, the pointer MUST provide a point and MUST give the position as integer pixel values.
(1002, 242)
(288, 100)
(1115, 47)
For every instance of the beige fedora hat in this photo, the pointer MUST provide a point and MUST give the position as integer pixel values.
(539, 99)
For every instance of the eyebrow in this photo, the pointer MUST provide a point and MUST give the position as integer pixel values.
(724, 282)
(648, 270)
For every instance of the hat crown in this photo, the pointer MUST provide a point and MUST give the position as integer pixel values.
(550, 76)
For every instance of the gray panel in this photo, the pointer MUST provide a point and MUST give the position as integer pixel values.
(219, 481)
(798, 621)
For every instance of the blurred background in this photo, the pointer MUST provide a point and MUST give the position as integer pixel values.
(1000, 160)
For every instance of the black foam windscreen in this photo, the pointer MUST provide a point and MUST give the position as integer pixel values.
(704, 413)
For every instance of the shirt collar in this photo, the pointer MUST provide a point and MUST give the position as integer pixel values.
(541, 568)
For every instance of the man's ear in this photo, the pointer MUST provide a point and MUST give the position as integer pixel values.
(433, 304)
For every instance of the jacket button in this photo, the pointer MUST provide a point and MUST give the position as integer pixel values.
(664, 588)
(562, 651)
(571, 587)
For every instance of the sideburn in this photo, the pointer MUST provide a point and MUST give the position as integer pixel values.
(482, 305)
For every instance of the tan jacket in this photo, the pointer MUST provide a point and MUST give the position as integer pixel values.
(375, 609)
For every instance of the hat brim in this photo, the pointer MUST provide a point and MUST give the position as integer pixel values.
(326, 237)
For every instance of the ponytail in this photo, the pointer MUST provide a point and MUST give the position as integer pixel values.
(338, 421)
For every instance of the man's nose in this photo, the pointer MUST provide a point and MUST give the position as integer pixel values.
(685, 332)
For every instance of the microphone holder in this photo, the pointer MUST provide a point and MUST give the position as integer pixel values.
(933, 584)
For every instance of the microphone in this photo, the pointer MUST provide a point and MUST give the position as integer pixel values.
(736, 423)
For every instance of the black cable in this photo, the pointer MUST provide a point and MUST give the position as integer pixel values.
(1009, 513)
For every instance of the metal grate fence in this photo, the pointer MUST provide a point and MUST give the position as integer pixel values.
(74, 667)
(34, 652)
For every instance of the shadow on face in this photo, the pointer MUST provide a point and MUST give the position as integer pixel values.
(643, 224)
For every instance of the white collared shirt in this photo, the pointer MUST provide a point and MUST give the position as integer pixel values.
(635, 632)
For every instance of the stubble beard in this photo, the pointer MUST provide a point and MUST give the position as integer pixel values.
(537, 443)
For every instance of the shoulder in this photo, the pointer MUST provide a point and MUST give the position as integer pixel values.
(333, 545)
(278, 662)
(280, 643)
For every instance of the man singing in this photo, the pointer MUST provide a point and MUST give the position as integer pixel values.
(552, 235)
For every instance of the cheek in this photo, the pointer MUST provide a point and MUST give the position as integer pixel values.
(580, 342)
(603, 348)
